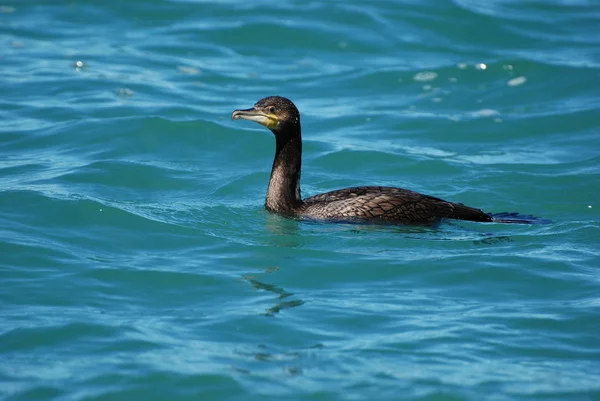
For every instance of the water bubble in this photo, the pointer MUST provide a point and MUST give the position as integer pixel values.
(125, 92)
(485, 113)
(188, 70)
(425, 76)
(517, 81)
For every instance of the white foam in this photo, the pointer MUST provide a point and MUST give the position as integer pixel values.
(517, 81)
(425, 76)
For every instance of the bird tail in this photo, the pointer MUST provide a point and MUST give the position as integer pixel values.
(516, 218)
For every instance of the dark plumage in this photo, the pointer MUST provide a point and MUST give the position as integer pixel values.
(373, 204)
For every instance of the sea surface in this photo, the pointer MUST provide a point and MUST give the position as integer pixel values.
(137, 261)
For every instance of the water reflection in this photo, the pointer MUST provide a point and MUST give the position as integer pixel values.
(282, 294)
(291, 362)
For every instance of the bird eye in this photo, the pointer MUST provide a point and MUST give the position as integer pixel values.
(272, 109)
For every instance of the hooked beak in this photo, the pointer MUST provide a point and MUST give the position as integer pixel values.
(268, 120)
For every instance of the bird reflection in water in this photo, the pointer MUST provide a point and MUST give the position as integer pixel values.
(282, 295)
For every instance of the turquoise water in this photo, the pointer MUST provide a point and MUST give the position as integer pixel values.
(137, 261)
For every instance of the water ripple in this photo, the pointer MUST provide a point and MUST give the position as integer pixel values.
(137, 259)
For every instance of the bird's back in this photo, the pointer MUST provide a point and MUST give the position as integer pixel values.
(385, 204)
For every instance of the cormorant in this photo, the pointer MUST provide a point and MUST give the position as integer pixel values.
(357, 204)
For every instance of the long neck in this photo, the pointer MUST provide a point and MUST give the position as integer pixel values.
(283, 194)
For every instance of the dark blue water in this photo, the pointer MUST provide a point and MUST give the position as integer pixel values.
(137, 261)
